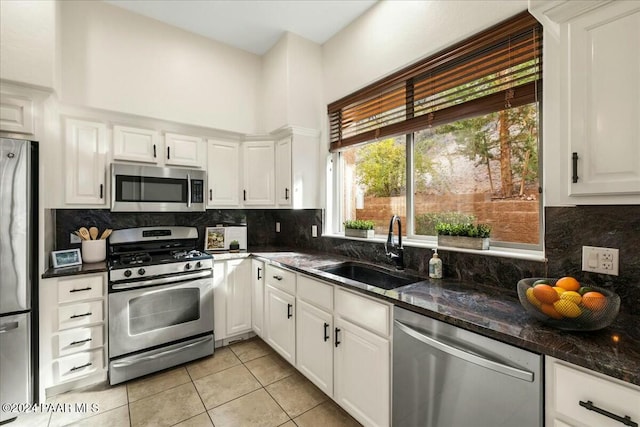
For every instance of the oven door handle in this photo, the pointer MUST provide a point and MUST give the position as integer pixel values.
(188, 190)
(177, 349)
(161, 281)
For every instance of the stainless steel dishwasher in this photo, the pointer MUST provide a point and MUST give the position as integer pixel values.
(445, 376)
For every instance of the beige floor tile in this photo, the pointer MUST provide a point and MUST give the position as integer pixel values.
(223, 386)
(156, 383)
(166, 408)
(87, 402)
(270, 368)
(256, 409)
(327, 414)
(114, 418)
(296, 394)
(201, 420)
(222, 359)
(31, 419)
(288, 424)
(251, 349)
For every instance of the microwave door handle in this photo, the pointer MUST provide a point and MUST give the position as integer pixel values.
(188, 190)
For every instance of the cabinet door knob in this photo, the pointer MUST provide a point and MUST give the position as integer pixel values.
(168, 153)
(337, 341)
(289, 313)
(154, 151)
(101, 191)
(244, 195)
(277, 277)
(286, 194)
(574, 167)
(326, 332)
(626, 420)
(210, 194)
(259, 271)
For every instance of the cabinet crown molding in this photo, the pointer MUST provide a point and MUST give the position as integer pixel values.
(560, 11)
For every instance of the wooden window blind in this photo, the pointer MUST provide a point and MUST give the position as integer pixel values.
(496, 69)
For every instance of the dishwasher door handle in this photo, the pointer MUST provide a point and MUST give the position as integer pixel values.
(465, 355)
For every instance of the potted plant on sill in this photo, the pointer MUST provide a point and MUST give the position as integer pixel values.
(362, 228)
(234, 246)
(469, 236)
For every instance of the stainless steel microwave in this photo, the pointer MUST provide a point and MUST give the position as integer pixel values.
(156, 189)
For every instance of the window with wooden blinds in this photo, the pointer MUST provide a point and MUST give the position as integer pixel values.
(498, 68)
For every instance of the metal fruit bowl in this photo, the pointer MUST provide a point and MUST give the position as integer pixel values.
(570, 313)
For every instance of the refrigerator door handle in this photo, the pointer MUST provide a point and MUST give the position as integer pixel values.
(9, 327)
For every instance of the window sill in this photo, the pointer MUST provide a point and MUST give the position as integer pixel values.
(499, 251)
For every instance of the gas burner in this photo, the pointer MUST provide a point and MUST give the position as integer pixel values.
(132, 259)
(187, 255)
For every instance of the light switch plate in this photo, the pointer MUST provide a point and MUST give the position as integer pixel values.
(600, 260)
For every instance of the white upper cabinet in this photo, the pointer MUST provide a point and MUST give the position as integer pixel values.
(135, 144)
(183, 150)
(85, 155)
(16, 114)
(603, 53)
(283, 172)
(591, 103)
(259, 173)
(223, 174)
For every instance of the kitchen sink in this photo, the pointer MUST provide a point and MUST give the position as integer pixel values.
(370, 275)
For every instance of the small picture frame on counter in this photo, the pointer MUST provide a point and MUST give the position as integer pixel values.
(214, 239)
(66, 258)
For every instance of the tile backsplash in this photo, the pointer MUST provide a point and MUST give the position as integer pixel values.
(567, 230)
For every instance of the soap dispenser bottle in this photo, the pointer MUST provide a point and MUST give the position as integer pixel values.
(435, 266)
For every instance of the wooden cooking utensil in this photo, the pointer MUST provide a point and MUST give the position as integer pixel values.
(77, 233)
(106, 233)
(93, 232)
(84, 233)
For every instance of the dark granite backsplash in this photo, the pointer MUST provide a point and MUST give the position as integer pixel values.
(567, 230)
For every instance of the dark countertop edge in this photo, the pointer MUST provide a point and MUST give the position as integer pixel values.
(76, 270)
(630, 376)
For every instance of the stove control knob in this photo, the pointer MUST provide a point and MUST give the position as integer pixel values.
(187, 266)
(127, 273)
(198, 264)
(141, 271)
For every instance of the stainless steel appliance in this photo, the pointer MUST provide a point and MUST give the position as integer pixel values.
(153, 189)
(18, 272)
(447, 376)
(160, 300)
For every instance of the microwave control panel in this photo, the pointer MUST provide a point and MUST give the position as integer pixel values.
(197, 191)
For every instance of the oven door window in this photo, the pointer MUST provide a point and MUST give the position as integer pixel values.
(150, 189)
(164, 309)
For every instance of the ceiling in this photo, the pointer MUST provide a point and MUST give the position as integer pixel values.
(252, 25)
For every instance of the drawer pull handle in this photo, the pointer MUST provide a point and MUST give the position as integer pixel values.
(626, 420)
(75, 316)
(289, 314)
(277, 277)
(336, 337)
(80, 342)
(80, 290)
(77, 368)
(326, 332)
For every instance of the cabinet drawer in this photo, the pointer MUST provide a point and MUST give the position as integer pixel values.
(573, 386)
(72, 316)
(79, 339)
(80, 288)
(315, 292)
(365, 312)
(78, 365)
(281, 279)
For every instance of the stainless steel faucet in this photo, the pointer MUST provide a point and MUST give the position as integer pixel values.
(389, 246)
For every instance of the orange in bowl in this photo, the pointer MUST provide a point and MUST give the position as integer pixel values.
(568, 283)
(545, 294)
(594, 300)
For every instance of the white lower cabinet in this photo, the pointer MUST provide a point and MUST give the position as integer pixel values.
(280, 322)
(577, 397)
(257, 297)
(231, 299)
(72, 341)
(314, 345)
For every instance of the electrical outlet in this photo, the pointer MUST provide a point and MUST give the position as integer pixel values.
(74, 239)
(314, 231)
(277, 227)
(600, 260)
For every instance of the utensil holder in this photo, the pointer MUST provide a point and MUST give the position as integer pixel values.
(94, 251)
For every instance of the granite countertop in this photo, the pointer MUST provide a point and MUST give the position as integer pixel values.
(98, 267)
(493, 312)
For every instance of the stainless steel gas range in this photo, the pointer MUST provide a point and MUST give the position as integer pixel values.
(160, 300)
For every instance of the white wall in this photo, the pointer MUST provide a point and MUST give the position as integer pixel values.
(28, 42)
(292, 84)
(115, 60)
(394, 34)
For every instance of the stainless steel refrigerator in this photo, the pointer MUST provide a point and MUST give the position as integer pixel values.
(18, 272)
